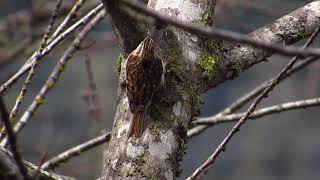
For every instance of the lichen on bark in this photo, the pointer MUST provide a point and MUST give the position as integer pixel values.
(158, 152)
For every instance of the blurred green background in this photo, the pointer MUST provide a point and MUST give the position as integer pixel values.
(280, 146)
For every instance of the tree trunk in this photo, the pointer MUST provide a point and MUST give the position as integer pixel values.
(194, 65)
(157, 153)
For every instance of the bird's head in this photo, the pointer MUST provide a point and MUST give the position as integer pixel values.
(145, 48)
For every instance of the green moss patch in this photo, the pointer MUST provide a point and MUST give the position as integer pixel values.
(207, 64)
(119, 62)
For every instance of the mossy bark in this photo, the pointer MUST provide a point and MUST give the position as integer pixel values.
(156, 155)
(194, 65)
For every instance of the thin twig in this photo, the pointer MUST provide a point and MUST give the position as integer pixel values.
(34, 167)
(240, 102)
(13, 141)
(24, 17)
(49, 28)
(259, 113)
(43, 158)
(21, 18)
(31, 73)
(26, 67)
(213, 32)
(91, 96)
(54, 76)
(203, 168)
(67, 20)
(45, 173)
(75, 151)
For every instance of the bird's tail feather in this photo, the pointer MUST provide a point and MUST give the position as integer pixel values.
(136, 126)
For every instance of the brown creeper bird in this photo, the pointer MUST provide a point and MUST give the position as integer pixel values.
(144, 74)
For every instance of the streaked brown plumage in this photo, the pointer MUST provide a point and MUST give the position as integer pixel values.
(144, 73)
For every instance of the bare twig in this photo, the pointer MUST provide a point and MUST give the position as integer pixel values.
(75, 151)
(13, 141)
(34, 167)
(67, 20)
(27, 66)
(203, 168)
(240, 102)
(213, 32)
(43, 158)
(58, 69)
(260, 112)
(91, 96)
(49, 28)
(31, 73)
(24, 17)
(45, 173)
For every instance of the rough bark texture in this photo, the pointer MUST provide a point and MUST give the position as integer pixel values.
(157, 154)
(194, 64)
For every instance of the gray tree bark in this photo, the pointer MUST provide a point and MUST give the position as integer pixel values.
(194, 65)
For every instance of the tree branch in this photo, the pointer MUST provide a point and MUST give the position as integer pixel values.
(13, 141)
(236, 128)
(257, 46)
(258, 42)
(58, 69)
(75, 151)
(240, 102)
(158, 152)
(31, 167)
(8, 168)
(295, 26)
(259, 113)
(27, 66)
(31, 73)
(91, 96)
(24, 17)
